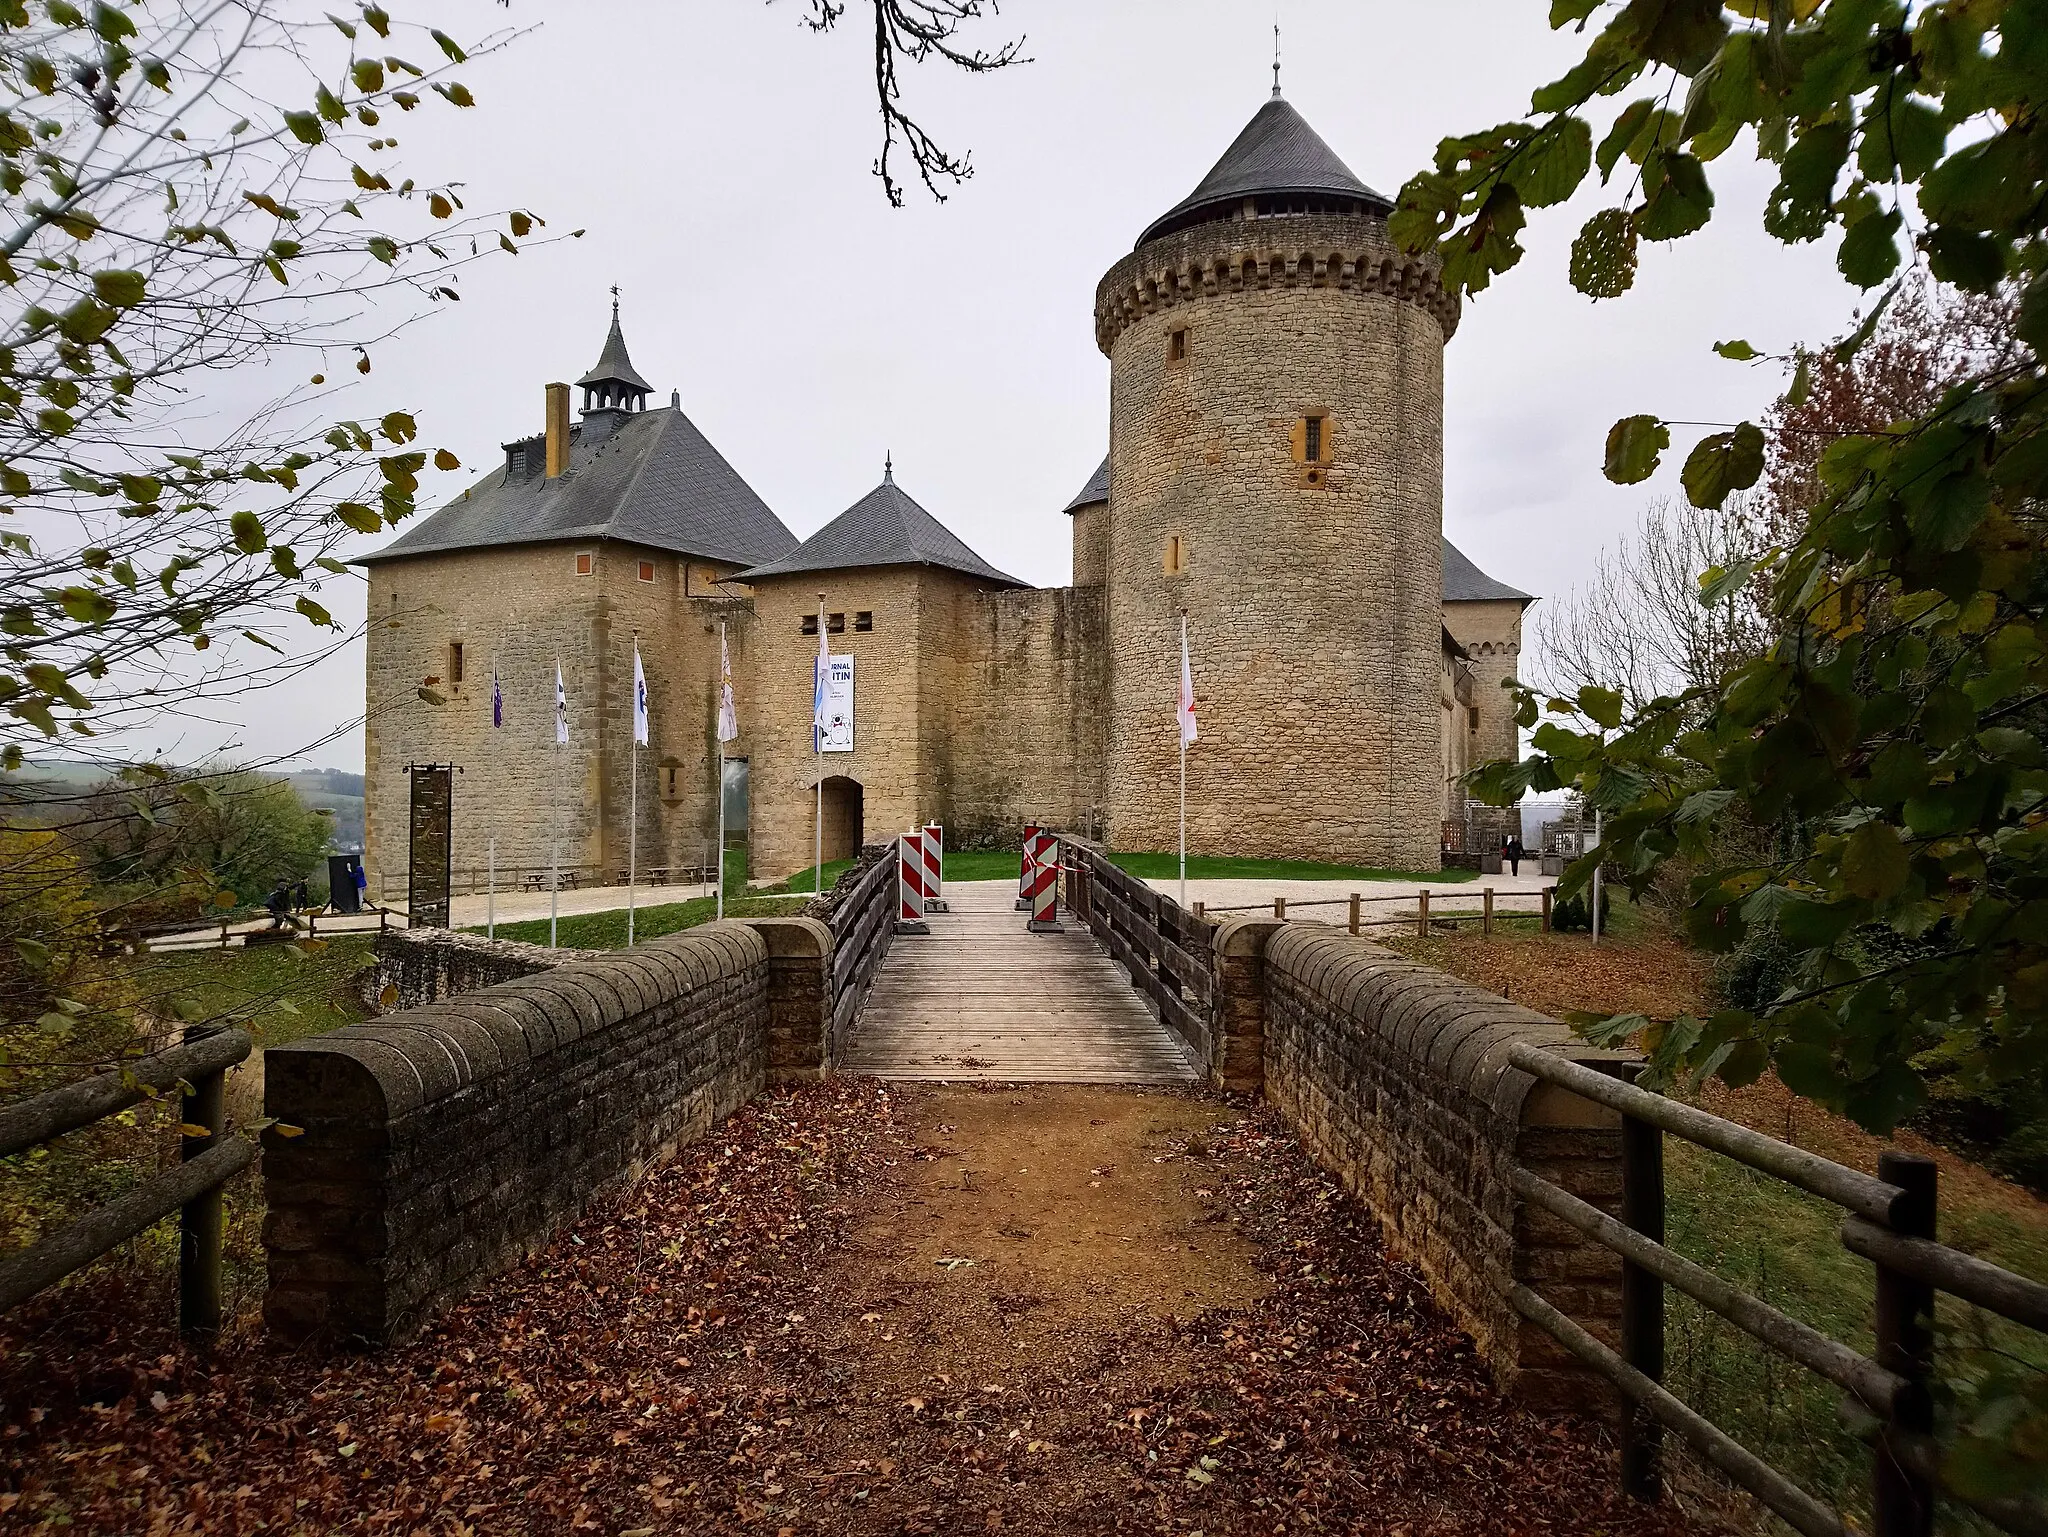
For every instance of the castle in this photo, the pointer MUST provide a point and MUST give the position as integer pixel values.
(1275, 474)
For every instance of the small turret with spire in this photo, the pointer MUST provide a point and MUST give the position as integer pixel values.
(614, 384)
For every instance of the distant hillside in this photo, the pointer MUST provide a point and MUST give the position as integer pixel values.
(333, 790)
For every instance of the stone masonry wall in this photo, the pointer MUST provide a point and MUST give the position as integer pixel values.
(441, 1144)
(1491, 633)
(410, 968)
(1313, 604)
(1023, 737)
(1396, 1078)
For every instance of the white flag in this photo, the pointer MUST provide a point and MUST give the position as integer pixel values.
(639, 699)
(561, 709)
(728, 717)
(819, 670)
(1186, 708)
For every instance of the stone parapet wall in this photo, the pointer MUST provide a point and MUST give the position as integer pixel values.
(438, 1145)
(411, 968)
(1396, 1078)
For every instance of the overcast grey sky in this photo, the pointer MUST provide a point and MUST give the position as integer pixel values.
(718, 156)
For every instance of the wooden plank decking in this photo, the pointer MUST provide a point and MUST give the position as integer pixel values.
(980, 998)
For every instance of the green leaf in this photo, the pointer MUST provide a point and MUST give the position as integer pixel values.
(1681, 33)
(1549, 169)
(1718, 583)
(1852, 344)
(1965, 258)
(1634, 445)
(362, 519)
(1874, 862)
(1723, 462)
(122, 289)
(1680, 200)
(1802, 381)
(248, 532)
(1604, 255)
(368, 75)
(1870, 250)
(305, 127)
(448, 45)
(1627, 130)
(1602, 706)
(86, 605)
(1900, 134)
(1802, 204)
(1736, 351)
(314, 612)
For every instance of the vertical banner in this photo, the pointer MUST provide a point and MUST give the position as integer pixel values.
(430, 860)
(835, 706)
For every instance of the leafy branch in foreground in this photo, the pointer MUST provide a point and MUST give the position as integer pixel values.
(192, 191)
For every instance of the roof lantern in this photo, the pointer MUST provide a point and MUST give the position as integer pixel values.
(614, 385)
(1276, 167)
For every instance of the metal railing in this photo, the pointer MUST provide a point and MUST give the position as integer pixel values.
(1890, 1222)
(197, 1069)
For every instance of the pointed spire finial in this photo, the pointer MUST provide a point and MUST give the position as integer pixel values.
(1276, 63)
(615, 286)
(889, 469)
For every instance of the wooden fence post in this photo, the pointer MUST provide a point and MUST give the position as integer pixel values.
(1486, 914)
(1642, 1305)
(1903, 1501)
(1354, 912)
(200, 1220)
(1422, 914)
(1280, 908)
(1547, 893)
(1198, 909)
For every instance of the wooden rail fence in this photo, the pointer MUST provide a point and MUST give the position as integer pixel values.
(862, 923)
(197, 1069)
(1167, 950)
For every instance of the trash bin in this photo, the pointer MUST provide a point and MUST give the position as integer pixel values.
(343, 894)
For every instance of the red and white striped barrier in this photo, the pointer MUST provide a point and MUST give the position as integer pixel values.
(1045, 887)
(910, 884)
(934, 868)
(1024, 874)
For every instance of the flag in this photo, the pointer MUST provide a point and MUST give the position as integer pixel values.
(639, 699)
(1186, 708)
(561, 709)
(819, 669)
(497, 703)
(728, 717)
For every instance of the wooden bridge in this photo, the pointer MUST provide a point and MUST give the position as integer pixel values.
(981, 999)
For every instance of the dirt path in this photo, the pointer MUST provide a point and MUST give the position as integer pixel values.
(853, 1310)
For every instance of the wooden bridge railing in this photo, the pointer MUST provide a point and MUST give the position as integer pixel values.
(863, 921)
(1166, 949)
(197, 1069)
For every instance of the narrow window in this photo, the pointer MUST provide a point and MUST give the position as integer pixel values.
(836, 624)
(646, 570)
(810, 624)
(671, 784)
(1174, 560)
(864, 620)
(1312, 440)
(1473, 713)
(585, 563)
(1177, 346)
(455, 661)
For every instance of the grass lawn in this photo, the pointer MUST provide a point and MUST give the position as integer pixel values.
(607, 930)
(1228, 867)
(276, 992)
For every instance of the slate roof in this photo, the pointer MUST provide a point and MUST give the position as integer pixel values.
(1277, 153)
(1097, 489)
(654, 480)
(1466, 583)
(613, 364)
(884, 528)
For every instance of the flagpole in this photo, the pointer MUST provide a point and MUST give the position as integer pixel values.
(720, 792)
(1181, 731)
(491, 895)
(555, 810)
(818, 758)
(633, 798)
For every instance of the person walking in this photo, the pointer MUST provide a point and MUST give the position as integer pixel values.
(1514, 852)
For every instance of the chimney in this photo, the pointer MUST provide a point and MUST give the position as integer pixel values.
(558, 429)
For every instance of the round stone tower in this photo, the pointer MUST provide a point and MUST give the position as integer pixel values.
(1276, 473)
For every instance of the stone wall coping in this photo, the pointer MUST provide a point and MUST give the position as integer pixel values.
(418, 1056)
(1455, 1030)
(810, 938)
(1244, 936)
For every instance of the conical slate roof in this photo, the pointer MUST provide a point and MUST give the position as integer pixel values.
(655, 481)
(614, 366)
(1466, 583)
(1097, 489)
(1277, 153)
(883, 528)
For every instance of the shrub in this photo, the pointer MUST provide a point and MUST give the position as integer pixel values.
(1574, 915)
